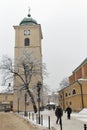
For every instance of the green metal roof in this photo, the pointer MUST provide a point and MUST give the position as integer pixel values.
(28, 21)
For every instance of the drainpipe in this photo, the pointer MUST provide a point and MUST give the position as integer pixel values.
(63, 100)
(81, 94)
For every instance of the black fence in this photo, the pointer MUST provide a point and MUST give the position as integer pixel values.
(32, 117)
(35, 117)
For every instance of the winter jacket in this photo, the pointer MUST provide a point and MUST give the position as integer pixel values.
(58, 112)
(68, 110)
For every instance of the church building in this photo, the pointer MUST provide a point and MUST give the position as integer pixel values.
(28, 38)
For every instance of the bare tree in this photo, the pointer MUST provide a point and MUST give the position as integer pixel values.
(24, 69)
(64, 83)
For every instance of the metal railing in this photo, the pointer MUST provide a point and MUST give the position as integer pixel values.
(35, 117)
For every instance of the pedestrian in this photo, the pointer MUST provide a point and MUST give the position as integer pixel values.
(58, 113)
(69, 111)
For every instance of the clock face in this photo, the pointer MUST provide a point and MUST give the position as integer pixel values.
(26, 32)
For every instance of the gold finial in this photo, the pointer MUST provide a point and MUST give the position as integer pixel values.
(29, 12)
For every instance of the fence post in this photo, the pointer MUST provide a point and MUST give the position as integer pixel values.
(85, 127)
(37, 119)
(29, 115)
(41, 119)
(32, 116)
(49, 122)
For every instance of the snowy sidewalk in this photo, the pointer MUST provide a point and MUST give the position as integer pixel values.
(74, 124)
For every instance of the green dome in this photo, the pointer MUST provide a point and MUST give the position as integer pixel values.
(28, 21)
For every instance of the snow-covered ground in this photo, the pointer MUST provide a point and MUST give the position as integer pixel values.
(45, 121)
(82, 115)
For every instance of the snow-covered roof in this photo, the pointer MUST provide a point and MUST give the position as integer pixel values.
(82, 79)
(3, 89)
(50, 103)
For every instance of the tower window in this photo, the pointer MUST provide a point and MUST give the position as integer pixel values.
(27, 42)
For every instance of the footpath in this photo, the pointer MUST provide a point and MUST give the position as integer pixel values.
(72, 124)
(11, 121)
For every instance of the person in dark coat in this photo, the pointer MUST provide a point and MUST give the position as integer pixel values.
(69, 111)
(58, 113)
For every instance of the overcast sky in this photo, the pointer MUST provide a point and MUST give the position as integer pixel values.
(64, 28)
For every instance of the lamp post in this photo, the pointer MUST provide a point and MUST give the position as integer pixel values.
(18, 104)
(25, 113)
(39, 86)
(63, 100)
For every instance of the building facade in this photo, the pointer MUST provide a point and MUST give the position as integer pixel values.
(28, 38)
(6, 101)
(75, 95)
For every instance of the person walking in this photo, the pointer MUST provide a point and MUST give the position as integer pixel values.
(69, 111)
(58, 113)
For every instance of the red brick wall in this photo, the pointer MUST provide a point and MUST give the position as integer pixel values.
(71, 79)
(85, 70)
(78, 74)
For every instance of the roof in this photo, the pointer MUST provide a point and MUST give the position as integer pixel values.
(81, 64)
(28, 21)
(50, 103)
(3, 88)
(76, 81)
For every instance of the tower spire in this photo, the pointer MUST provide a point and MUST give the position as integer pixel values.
(29, 12)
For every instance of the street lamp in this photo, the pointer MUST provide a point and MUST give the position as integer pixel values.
(18, 104)
(25, 113)
(39, 86)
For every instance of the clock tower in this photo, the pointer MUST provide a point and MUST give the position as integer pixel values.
(28, 37)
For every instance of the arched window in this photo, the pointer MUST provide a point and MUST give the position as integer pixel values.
(74, 91)
(27, 42)
(66, 94)
(61, 96)
(70, 103)
(69, 93)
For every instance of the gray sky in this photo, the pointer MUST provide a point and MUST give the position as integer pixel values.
(64, 28)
